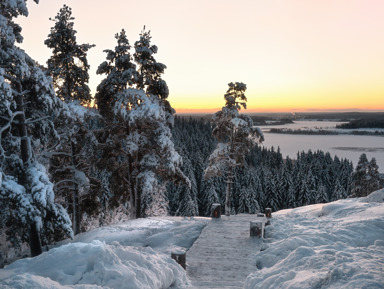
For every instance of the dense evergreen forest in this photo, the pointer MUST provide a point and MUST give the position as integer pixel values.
(267, 180)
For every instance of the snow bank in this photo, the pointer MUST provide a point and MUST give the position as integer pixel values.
(96, 263)
(135, 254)
(335, 245)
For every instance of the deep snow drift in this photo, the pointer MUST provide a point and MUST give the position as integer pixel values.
(335, 245)
(135, 254)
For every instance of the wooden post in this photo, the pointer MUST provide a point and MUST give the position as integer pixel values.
(268, 212)
(216, 211)
(256, 229)
(180, 257)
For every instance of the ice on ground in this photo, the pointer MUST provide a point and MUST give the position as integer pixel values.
(135, 254)
(335, 245)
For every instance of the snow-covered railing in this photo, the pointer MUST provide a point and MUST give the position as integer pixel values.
(216, 211)
(180, 256)
(257, 227)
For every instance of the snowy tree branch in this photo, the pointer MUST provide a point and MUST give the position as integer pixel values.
(29, 121)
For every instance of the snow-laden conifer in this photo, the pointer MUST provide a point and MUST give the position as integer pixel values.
(236, 135)
(68, 64)
(120, 74)
(27, 107)
(137, 139)
(72, 160)
(366, 177)
(149, 143)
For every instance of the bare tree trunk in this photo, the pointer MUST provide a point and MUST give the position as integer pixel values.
(75, 196)
(34, 241)
(34, 236)
(229, 180)
(137, 194)
(137, 200)
(131, 185)
(22, 128)
(228, 193)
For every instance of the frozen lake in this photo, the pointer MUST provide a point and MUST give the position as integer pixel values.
(344, 146)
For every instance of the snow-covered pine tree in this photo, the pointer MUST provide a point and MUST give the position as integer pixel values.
(248, 193)
(236, 135)
(243, 200)
(68, 67)
(137, 141)
(149, 70)
(346, 176)
(155, 160)
(120, 74)
(27, 106)
(68, 64)
(150, 117)
(116, 160)
(288, 193)
(272, 198)
(72, 161)
(209, 196)
(321, 194)
(361, 186)
(338, 192)
(375, 181)
(187, 195)
(255, 193)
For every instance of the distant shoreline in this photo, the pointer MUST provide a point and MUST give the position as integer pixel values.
(324, 132)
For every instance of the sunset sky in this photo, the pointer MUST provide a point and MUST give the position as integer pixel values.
(294, 55)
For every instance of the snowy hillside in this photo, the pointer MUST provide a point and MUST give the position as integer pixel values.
(335, 245)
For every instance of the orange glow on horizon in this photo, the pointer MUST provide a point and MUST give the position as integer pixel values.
(282, 110)
(294, 55)
(286, 102)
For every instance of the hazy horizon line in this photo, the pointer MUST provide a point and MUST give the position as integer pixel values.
(314, 110)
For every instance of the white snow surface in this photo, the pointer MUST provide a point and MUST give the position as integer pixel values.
(134, 254)
(334, 245)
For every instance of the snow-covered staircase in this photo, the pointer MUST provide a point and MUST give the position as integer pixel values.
(223, 255)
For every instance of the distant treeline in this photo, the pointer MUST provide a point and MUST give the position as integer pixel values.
(323, 132)
(363, 123)
(302, 131)
(263, 120)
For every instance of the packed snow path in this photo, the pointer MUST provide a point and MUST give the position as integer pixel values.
(224, 254)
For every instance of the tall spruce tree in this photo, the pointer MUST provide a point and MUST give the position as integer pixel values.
(68, 67)
(68, 64)
(120, 74)
(139, 118)
(149, 70)
(236, 135)
(155, 154)
(27, 104)
(116, 162)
